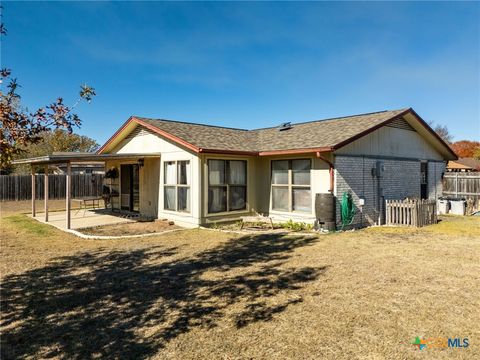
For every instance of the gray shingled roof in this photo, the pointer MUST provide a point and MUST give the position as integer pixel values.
(322, 133)
(206, 136)
(313, 134)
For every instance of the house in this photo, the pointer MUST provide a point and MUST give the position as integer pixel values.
(92, 167)
(463, 165)
(198, 174)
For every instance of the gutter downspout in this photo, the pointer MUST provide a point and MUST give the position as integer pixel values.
(332, 173)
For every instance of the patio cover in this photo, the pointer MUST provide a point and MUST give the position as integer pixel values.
(64, 158)
(69, 159)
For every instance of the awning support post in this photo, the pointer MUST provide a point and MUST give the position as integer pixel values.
(45, 186)
(33, 191)
(67, 193)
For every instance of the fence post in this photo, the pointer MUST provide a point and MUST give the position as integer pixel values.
(456, 185)
(409, 214)
(414, 214)
(388, 212)
(33, 190)
(67, 194)
(45, 196)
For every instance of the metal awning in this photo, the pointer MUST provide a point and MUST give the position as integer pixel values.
(74, 158)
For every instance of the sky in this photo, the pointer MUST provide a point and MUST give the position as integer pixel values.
(246, 64)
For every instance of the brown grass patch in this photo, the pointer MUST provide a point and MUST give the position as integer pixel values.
(8, 208)
(202, 294)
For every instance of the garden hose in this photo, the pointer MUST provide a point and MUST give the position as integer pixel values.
(348, 209)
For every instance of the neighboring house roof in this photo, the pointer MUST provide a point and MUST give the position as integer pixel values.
(89, 165)
(319, 135)
(464, 164)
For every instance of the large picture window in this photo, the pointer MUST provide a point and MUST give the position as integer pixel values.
(227, 185)
(176, 180)
(291, 185)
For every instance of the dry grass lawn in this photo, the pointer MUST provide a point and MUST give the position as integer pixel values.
(24, 206)
(212, 295)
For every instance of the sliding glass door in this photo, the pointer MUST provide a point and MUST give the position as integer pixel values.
(130, 187)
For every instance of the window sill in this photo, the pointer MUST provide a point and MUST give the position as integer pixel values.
(277, 212)
(236, 212)
(179, 213)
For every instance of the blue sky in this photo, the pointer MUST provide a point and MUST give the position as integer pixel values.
(248, 65)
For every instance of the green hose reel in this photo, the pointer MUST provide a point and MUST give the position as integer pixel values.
(348, 210)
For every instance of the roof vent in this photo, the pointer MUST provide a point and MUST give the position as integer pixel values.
(285, 126)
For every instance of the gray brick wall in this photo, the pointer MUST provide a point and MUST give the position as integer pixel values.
(401, 179)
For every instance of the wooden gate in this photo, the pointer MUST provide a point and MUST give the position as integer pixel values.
(411, 212)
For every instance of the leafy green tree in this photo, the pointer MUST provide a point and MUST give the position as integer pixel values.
(56, 141)
(476, 153)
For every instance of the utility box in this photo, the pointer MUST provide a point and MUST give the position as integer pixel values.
(458, 206)
(379, 169)
(443, 206)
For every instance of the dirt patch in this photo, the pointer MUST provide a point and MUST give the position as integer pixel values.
(265, 227)
(135, 228)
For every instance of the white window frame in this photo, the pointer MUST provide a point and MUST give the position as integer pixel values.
(290, 186)
(227, 211)
(176, 186)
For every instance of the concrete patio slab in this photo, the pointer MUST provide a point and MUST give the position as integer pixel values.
(81, 219)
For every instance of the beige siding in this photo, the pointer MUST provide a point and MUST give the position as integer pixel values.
(192, 218)
(395, 142)
(146, 142)
(152, 174)
(258, 188)
(262, 185)
(149, 189)
(319, 182)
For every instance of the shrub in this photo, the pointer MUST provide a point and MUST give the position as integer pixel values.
(296, 226)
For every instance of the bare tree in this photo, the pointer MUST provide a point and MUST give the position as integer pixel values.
(441, 131)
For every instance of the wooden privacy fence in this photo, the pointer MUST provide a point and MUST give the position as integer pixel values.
(19, 187)
(411, 212)
(465, 186)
